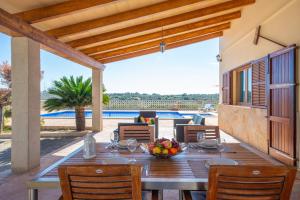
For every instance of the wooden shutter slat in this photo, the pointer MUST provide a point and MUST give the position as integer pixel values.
(226, 89)
(259, 82)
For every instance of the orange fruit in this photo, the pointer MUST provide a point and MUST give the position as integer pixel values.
(173, 150)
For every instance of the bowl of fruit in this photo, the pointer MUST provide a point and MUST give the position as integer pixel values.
(164, 148)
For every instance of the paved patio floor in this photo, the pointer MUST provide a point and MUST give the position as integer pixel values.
(48, 145)
(14, 186)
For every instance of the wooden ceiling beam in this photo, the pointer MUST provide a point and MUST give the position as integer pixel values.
(157, 49)
(18, 25)
(58, 10)
(120, 17)
(162, 22)
(168, 41)
(166, 33)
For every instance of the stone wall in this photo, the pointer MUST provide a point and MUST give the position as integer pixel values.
(246, 124)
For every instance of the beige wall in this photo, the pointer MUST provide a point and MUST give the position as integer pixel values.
(280, 20)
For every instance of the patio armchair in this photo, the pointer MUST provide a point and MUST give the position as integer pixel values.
(149, 114)
(140, 133)
(245, 182)
(179, 124)
(94, 181)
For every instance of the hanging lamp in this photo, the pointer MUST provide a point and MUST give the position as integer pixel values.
(162, 45)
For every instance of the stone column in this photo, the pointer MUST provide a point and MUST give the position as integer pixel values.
(25, 104)
(97, 121)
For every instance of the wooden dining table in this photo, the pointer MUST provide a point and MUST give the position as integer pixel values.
(186, 171)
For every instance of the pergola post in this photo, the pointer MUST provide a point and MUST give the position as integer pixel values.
(25, 104)
(97, 82)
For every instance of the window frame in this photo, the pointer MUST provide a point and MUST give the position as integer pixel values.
(245, 69)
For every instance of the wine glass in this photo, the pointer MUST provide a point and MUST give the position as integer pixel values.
(114, 140)
(200, 137)
(132, 145)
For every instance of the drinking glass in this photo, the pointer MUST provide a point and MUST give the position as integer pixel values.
(132, 145)
(221, 141)
(200, 138)
(221, 147)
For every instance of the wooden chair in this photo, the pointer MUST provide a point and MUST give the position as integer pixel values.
(249, 182)
(190, 132)
(100, 182)
(140, 133)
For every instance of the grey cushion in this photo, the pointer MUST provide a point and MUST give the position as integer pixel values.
(195, 117)
(200, 120)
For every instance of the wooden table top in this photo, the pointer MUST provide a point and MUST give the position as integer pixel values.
(187, 165)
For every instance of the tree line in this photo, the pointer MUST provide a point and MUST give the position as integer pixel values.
(139, 96)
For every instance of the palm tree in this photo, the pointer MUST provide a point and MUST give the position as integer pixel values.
(72, 93)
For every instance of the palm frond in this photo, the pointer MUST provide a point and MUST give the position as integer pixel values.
(69, 92)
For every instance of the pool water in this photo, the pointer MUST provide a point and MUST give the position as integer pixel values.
(119, 114)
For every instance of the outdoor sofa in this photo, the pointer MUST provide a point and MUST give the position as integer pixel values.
(149, 115)
(179, 124)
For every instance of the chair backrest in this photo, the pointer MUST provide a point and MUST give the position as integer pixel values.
(131, 124)
(140, 133)
(100, 181)
(148, 114)
(190, 132)
(250, 182)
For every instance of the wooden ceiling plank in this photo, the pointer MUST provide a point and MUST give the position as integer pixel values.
(58, 10)
(166, 33)
(162, 22)
(156, 49)
(120, 17)
(18, 25)
(168, 41)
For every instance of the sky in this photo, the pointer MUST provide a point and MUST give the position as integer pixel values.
(191, 69)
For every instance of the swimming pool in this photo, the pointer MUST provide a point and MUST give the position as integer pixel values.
(119, 114)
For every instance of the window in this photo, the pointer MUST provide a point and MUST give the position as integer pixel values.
(244, 85)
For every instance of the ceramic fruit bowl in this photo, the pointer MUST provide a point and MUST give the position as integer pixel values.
(164, 148)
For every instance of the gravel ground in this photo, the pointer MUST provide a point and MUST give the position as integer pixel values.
(48, 145)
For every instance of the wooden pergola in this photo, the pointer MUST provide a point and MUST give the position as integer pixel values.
(93, 33)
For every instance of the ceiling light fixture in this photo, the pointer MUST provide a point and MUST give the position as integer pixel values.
(162, 45)
(219, 58)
